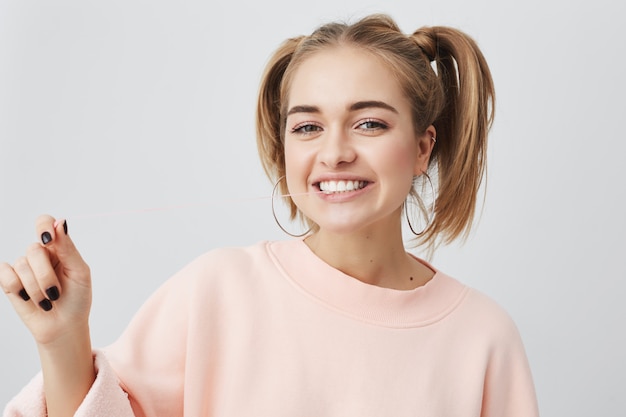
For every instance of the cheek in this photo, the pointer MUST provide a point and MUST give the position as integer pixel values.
(295, 165)
(397, 160)
(291, 159)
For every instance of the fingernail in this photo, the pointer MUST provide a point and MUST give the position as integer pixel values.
(65, 226)
(24, 295)
(46, 238)
(45, 304)
(53, 293)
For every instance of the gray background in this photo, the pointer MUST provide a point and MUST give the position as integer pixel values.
(125, 105)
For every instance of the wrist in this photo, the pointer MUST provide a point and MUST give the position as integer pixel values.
(68, 339)
(68, 371)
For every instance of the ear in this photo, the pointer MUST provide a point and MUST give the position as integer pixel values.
(425, 144)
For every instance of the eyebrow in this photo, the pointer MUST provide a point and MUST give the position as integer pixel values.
(303, 109)
(359, 105)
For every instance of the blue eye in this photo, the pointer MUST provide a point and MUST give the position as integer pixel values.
(371, 125)
(306, 128)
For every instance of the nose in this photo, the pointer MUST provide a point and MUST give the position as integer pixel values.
(336, 148)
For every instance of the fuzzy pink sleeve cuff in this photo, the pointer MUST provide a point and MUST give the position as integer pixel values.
(104, 398)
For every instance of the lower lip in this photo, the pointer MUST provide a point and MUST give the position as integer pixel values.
(344, 196)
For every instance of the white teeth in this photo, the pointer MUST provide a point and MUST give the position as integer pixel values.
(329, 187)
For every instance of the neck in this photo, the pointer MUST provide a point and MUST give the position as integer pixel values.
(374, 257)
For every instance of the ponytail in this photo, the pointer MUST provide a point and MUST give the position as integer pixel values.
(467, 111)
(269, 123)
(269, 109)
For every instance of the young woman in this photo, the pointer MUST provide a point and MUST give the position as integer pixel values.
(356, 123)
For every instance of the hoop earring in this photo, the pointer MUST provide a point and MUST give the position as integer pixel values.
(274, 212)
(431, 215)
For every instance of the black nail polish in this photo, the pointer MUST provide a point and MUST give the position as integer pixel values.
(45, 304)
(53, 293)
(46, 238)
(65, 226)
(24, 295)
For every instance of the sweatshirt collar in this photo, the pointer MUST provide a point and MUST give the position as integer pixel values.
(418, 307)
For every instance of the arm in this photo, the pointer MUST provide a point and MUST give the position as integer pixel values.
(143, 370)
(105, 398)
(509, 389)
(68, 371)
(50, 289)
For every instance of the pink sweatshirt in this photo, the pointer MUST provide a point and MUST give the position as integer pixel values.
(272, 330)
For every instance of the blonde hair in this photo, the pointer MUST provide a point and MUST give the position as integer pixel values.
(457, 99)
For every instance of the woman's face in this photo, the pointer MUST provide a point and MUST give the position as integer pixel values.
(350, 142)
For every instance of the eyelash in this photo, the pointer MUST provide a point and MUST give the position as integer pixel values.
(302, 128)
(378, 125)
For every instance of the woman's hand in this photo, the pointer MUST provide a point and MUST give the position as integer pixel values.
(50, 287)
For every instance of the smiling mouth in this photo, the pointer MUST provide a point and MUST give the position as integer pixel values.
(332, 187)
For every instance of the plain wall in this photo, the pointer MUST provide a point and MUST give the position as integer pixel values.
(120, 106)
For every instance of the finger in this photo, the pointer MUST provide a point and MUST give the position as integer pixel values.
(29, 283)
(38, 259)
(44, 226)
(11, 284)
(13, 288)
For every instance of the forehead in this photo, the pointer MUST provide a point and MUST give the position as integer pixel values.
(344, 74)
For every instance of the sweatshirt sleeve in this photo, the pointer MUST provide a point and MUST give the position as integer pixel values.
(509, 389)
(142, 373)
(104, 398)
(150, 357)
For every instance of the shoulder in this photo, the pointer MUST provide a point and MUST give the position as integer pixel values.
(227, 268)
(493, 341)
(485, 308)
(482, 339)
(483, 320)
(227, 259)
(492, 320)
